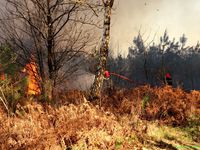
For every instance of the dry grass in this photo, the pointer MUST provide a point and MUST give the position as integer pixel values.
(121, 122)
(81, 126)
(168, 105)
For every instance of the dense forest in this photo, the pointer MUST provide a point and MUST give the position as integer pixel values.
(148, 63)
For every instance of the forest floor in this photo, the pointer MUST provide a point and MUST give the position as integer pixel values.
(143, 118)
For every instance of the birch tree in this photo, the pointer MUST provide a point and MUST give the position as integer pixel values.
(54, 32)
(104, 49)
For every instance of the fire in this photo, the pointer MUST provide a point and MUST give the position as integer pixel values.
(33, 78)
(2, 74)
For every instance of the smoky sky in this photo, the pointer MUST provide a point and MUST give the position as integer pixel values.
(152, 17)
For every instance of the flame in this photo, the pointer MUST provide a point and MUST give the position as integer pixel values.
(33, 78)
(3, 76)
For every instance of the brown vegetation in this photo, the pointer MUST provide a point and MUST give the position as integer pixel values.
(168, 105)
(120, 122)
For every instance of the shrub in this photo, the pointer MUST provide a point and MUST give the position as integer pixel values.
(12, 83)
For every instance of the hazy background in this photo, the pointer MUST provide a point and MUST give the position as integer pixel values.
(151, 17)
(154, 16)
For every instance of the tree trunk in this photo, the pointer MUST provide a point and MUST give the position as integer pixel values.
(50, 58)
(99, 77)
(145, 66)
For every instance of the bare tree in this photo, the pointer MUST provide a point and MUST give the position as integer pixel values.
(54, 32)
(99, 77)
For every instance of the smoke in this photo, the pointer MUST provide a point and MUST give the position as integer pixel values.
(154, 16)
